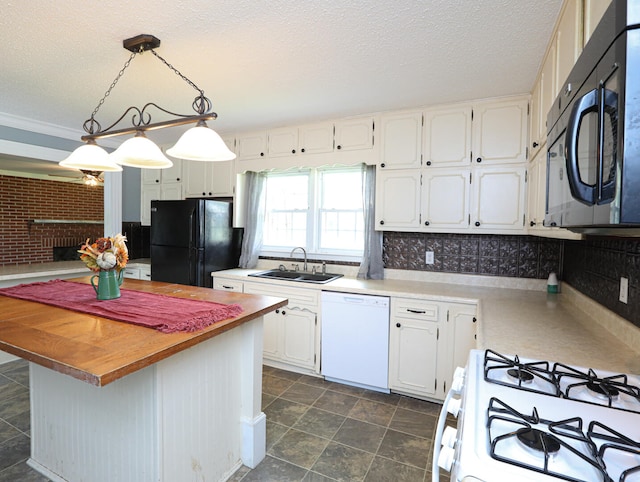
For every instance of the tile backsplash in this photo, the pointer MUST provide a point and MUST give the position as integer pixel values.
(483, 254)
(594, 267)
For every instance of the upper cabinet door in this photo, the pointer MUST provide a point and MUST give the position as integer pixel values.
(252, 145)
(500, 132)
(354, 134)
(447, 137)
(568, 39)
(499, 199)
(398, 200)
(283, 142)
(445, 199)
(401, 140)
(593, 12)
(315, 138)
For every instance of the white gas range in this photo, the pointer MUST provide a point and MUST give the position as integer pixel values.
(528, 420)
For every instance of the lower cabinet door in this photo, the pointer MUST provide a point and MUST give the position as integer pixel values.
(272, 329)
(413, 354)
(298, 337)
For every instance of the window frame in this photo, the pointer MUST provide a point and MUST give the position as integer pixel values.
(313, 219)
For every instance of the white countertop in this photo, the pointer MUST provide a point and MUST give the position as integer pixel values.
(24, 273)
(566, 327)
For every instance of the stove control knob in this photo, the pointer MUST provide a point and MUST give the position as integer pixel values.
(458, 380)
(449, 437)
(445, 459)
(453, 407)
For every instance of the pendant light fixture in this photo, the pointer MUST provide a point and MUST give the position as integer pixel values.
(200, 143)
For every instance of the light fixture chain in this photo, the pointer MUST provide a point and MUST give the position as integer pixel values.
(113, 84)
(180, 74)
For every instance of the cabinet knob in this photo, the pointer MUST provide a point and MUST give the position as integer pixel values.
(302, 150)
(475, 319)
(338, 147)
(532, 223)
(477, 223)
(157, 180)
(381, 222)
(535, 144)
(479, 159)
(293, 151)
(428, 163)
(398, 325)
(426, 223)
(553, 224)
(204, 193)
(382, 165)
(262, 154)
(277, 311)
(178, 179)
(284, 312)
(210, 194)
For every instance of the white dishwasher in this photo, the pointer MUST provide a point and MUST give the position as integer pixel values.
(355, 340)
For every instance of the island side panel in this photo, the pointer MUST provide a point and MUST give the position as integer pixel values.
(200, 405)
(83, 432)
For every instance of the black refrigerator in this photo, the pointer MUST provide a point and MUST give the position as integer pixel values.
(192, 238)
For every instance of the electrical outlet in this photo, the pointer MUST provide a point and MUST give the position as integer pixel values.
(624, 289)
(429, 259)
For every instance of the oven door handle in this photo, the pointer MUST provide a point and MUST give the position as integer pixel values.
(580, 190)
(437, 442)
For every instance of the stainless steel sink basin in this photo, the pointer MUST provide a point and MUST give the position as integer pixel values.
(297, 276)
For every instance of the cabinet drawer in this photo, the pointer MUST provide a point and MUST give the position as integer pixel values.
(133, 273)
(296, 296)
(228, 285)
(415, 309)
(145, 273)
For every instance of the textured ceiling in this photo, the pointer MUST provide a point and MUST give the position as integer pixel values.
(266, 64)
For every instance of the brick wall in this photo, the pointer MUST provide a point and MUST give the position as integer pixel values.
(24, 199)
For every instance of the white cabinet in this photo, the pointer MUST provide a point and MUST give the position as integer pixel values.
(427, 341)
(568, 39)
(252, 145)
(354, 134)
(209, 179)
(499, 198)
(414, 346)
(593, 12)
(462, 337)
(447, 137)
(159, 184)
(309, 139)
(137, 272)
(401, 140)
(542, 98)
(445, 198)
(170, 175)
(290, 333)
(500, 132)
(225, 284)
(398, 199)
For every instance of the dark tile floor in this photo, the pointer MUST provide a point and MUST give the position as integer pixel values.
(317, 431)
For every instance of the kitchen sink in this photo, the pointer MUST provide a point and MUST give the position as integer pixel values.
(297, 276)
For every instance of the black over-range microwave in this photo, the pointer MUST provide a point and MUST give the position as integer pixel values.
(593, 157)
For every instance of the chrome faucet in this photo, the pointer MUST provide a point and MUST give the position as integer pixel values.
(305, 256)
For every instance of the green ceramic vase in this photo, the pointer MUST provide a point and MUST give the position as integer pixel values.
(109, 281)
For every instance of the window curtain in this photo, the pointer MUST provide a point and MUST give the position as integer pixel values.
(254, 219)
(371, 266)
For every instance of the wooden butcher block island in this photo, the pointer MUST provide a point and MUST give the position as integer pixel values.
(115, 401)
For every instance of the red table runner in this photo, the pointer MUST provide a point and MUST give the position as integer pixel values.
(163, 313)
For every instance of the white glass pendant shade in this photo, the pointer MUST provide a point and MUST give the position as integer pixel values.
(140, 152)
(201, 144)
(90, 157)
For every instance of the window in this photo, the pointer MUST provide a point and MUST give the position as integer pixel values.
(319, 209)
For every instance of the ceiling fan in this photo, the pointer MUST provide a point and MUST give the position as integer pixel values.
(90, 178)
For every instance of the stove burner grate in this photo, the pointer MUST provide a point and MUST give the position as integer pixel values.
(535, 377)
(601, 389)
(565, 439)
